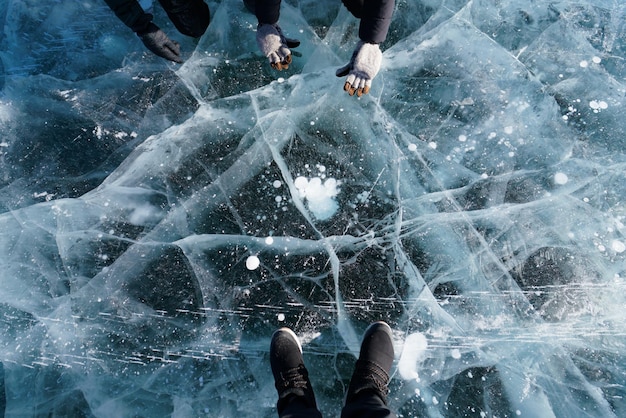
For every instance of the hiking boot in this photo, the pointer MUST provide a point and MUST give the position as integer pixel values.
(371, 372)
(291, 377)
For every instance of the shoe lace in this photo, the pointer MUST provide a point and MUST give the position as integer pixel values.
(296, 378)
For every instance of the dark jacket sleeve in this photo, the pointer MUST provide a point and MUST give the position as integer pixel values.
(267, 11)
(375, 18)
(131, 13)
(375, 21)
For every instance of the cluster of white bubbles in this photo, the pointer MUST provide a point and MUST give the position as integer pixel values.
(319, 195)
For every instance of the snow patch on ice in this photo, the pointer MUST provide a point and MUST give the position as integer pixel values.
(412, 354)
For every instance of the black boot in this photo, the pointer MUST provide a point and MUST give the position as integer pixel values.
(371, 372)
(290, 375)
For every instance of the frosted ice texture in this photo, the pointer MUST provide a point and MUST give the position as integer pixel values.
(476, 203)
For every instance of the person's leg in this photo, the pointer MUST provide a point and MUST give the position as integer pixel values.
(367, 393)
(295, 394)
(297, 409)
(367, 405)
(355, 7)
(191, 17)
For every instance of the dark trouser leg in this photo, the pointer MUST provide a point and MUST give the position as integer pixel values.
(355, 7)
(367, 405)
(295, 407)
(191, 17)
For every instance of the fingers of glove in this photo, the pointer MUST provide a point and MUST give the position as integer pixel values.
(284, 53)
(285, 58)
(368, 85)
(351, 79)
(279, 66)
(274, 59)
(171, 51)
(161, 45)
(348, 87)
(363, 87)
(279, 62)
(351, 84)
(358, 85)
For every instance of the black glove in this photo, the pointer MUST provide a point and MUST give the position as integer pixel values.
(157, 41)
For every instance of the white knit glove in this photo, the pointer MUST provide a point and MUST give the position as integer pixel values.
(362, 68)
(275, 46)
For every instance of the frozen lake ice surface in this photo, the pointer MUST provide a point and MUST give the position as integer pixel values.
(159, 221)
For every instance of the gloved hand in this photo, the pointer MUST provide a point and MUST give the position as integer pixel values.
(157, 41)
(275, 46)
(362, 68)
